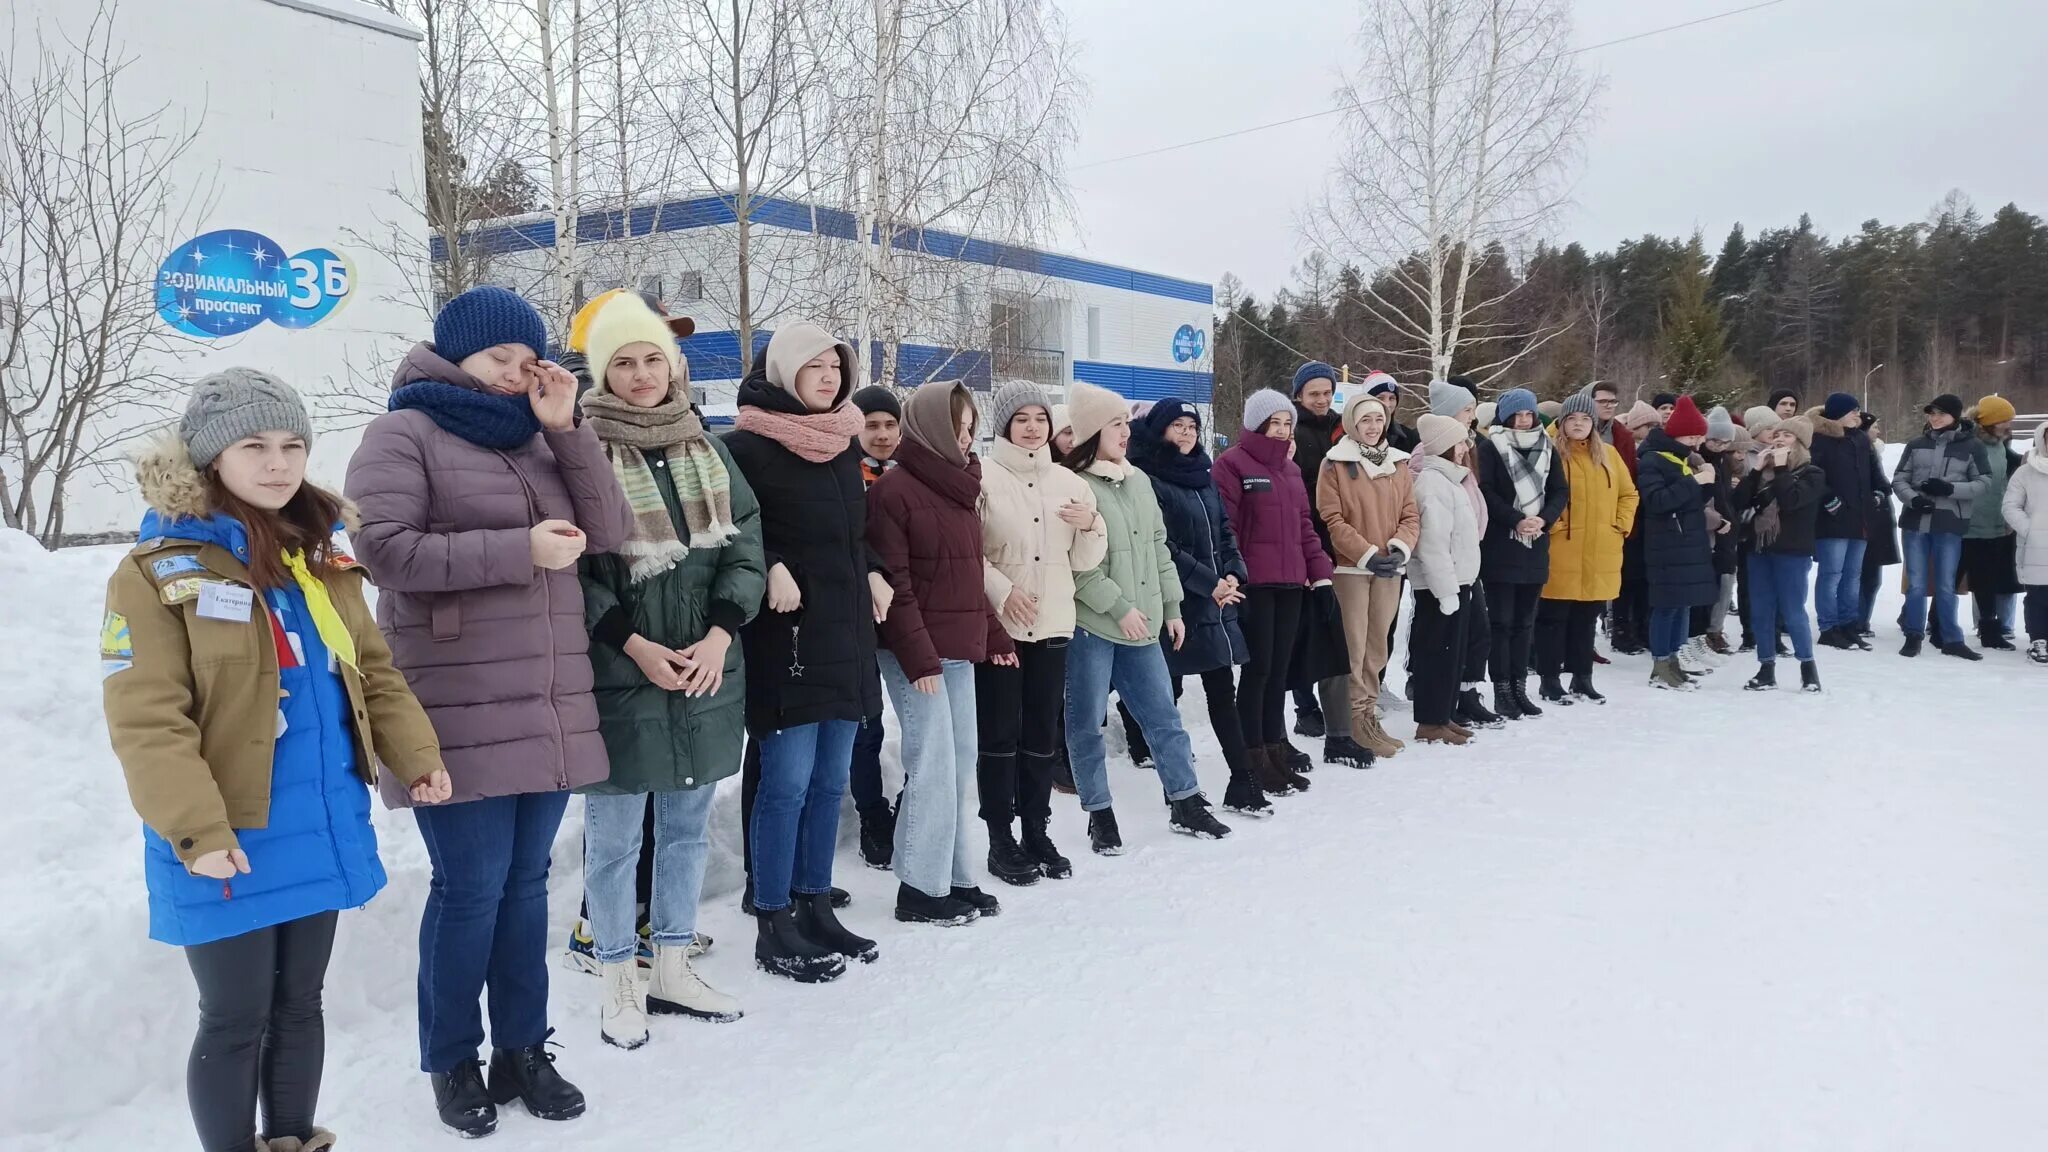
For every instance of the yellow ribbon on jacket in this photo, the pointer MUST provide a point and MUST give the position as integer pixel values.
(333, 632)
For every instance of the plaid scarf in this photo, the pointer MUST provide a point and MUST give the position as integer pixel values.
(1527, 456)
(703, 487)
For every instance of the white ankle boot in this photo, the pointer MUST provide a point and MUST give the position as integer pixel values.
(625, 1005)
(677, 990)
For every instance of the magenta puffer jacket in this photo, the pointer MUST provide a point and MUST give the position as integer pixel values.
(494, 647)
(1268, 508)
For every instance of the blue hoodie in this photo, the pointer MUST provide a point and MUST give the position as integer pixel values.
(318, 853)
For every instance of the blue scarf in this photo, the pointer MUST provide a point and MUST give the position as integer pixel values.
(1161, 460)
(485, 420)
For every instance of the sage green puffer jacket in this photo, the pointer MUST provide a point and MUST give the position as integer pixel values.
(661, 741)
(1138, 570)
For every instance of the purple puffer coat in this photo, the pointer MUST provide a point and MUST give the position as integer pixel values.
(1268, 508)
(493, 646)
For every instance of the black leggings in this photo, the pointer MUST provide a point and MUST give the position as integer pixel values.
(1270, 617)
(1017, 711)
(1221, 694)
(1436, 650)
(261, 1034)
(1512, 608)
(1564, 637)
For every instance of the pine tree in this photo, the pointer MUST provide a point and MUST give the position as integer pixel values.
(1690, 341)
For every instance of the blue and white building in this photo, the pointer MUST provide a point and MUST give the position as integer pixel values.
(977, 311)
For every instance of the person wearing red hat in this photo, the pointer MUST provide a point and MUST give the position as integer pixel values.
(1678, 553)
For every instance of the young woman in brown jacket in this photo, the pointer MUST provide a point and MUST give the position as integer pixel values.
(1366, 496)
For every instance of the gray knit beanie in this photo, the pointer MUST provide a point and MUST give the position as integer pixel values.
(1580, 404)
(1448, 399)
(1012, 397)
(1720, 425)
(235, 404)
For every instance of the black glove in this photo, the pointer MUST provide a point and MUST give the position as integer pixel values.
(1384, 564)
(1922, 504)
(1936, 486)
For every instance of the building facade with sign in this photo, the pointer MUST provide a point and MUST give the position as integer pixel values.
(299, 244)
(979, 312)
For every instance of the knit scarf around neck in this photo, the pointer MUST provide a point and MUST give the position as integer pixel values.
(1527, 456)
(703, 487)
(484, 419)
(1163, 461)
(814, 436)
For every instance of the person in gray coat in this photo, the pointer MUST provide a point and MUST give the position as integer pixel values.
(1939, 477)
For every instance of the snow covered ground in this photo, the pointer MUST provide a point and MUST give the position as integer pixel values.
(1718, 921)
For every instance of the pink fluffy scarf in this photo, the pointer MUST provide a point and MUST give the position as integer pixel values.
(815, 436)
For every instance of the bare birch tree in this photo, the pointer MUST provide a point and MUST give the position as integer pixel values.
(91, 202)
(1462, 122)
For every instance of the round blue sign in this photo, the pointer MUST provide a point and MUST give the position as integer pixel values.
(1189, 343)
(227, 282)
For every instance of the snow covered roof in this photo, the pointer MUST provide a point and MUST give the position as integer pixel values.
(354, 12)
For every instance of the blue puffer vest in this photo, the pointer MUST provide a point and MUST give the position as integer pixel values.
(318, 852)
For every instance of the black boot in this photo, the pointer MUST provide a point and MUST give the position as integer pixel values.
(528, 1075)
(462, 1100)
(1340, 750)
(915, 907)
(1996, 641)
(878, 836)
(782, 949)
(1135, 742)
(1836, 638)
(1309, 722)
(1190, 817)
(1765, 680)
(1553, 692)
(1244, 797)
(1472, 711)
(1062, 772)
(1809, 676)
(1521, 688)
(982, 903)
(816, 920)
(1102, 834)
(1298, 762)
(1912, 645)
(1582, 687)
(1007, 860)
(1504, 703)
(1961, 651)
(1039, 846)
(841, 897)
(1269, 770)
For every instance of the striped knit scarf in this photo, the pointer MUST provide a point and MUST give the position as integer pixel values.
(703, 487)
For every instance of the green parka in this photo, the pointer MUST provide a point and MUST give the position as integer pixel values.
(662, 741)
(1138, 570)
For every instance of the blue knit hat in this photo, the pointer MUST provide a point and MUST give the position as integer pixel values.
(1838, 405)
(1313, 370)
(1262, 406)
(1512, 401)
(485, 317)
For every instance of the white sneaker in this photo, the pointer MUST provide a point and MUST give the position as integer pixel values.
(1691, 658)
(625, 1005)
(677, 990)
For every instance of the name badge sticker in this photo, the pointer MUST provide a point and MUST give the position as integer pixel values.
(1257, 484)
(230, 602)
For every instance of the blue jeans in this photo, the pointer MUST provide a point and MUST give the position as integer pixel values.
(1931, 560)
(1138, 673)
(486, 924)
(1668, 630)
(612, 827)
(864, 778)
(1838, 595)
(940, 739)
(1777, 596)
(796, 812)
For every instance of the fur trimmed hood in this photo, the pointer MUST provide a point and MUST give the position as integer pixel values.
(175, 490)
(1822, 426)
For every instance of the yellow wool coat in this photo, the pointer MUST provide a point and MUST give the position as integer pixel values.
(1585, 543)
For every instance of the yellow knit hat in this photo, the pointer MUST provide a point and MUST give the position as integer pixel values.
(1994, 409)
(619, 319)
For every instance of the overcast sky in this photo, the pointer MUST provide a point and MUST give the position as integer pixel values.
(1848, 109)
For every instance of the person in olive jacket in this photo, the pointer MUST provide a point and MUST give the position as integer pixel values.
(250, 699)
(924, 524)
(810, 653)
(1167, 445)
(1783, 498)
(665, 611)
(1521, 474)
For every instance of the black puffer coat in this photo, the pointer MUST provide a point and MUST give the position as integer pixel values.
(1503, 558)
(1199, 537)
(817, 663)
(1678, 553)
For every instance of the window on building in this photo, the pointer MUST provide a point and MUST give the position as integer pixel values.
(689, 288)
(1094, 333)
(654, 287)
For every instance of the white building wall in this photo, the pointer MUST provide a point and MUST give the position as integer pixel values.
(308, 133)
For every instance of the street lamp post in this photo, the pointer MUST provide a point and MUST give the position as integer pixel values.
(1866, 385)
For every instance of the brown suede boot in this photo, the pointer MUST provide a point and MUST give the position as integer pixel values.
(321, 1141)
(1277, 754)
(1367, 731)
(1442, 734)
(1269, 771)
